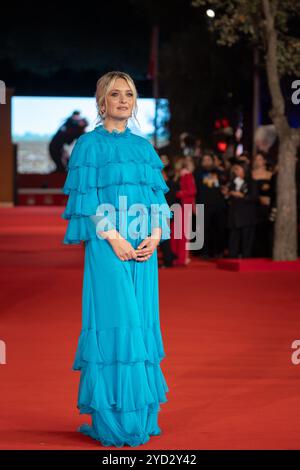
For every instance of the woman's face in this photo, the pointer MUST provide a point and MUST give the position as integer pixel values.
(259, 161)
(165, 159)
(178, 163)
(120, 101)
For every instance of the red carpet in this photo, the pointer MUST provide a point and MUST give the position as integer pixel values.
(257, 264)
(227, 337)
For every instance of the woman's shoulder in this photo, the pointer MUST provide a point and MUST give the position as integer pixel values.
(261, 176)
(84, 139)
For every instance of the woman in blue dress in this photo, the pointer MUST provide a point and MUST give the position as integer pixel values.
(116, 206)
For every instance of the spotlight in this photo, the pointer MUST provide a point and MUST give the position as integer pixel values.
(210, 13)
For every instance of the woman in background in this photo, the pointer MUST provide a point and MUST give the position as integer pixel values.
(168, 256)
(186, 196)
(266, 187)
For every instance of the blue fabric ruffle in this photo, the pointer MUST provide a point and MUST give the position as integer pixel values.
(99, 172)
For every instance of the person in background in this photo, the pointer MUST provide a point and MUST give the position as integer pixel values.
(242, 195)
(265, 181)
(168, 256)
(197, 148)
(73, 127)
(186, 195)
(243, 157)
(219, 162)
(187, 143)
(209, 181)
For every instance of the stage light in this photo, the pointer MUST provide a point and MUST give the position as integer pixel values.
(222, 146)
(210, 13)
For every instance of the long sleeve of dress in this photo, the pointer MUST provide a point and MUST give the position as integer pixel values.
(81, 188)
(160, 188)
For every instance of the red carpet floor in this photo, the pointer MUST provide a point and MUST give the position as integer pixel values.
(227, 337)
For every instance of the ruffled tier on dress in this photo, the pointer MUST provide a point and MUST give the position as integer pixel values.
(101, 174)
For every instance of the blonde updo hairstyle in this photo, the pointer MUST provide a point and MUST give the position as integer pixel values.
(103, 87)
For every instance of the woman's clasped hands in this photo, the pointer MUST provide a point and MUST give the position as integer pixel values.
(125, 251)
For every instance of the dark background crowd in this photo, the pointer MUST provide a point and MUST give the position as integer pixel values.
(238, 193)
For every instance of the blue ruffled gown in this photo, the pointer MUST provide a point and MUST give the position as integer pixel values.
(120, 345)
